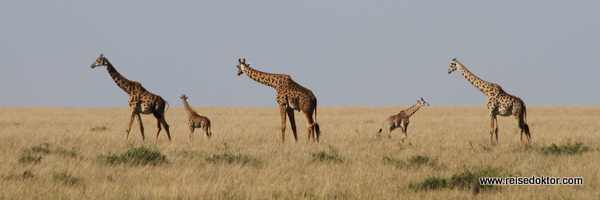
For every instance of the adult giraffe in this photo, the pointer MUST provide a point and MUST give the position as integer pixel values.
(498, 102)
(140, 100)
(290, 96)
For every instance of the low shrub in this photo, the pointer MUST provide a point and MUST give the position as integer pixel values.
(67, 178)
(467, 179)
(413, 161)
(431, 183)
(68, 153)
(99, 128)
(234, 158)
(27, 174)
(331, 156)
(567, 149)
(137, 156)
(34, 154)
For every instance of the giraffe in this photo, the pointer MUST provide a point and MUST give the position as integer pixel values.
(195, 120)
(498, 102)
(140, 100)
(402, 119)
(290, 96)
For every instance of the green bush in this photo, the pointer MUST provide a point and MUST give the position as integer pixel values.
(470, 179)
(67, 178)
(332, 156)
(567, 149)
(431, 183)
(29, 158)
(467, 179)
(524, 148)
(99, 128)
(27, 174)
(234, 158)
(42, 149)
(413, 161)
(399, 163)
(69, 153)
(34, 154)
(137, 156)
(421, 160)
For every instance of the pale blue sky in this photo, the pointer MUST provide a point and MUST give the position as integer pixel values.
(349, 53)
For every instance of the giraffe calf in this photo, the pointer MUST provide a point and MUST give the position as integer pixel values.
(402, 119)
(195, 120)
(198, 121)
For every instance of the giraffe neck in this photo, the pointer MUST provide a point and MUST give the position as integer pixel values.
(121, 81)
(273, 80)
(412, 110)
(188, 108)
(480, 84)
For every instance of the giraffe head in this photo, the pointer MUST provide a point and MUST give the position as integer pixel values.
(422, 102)
(101, 61)
(183, 97)
(242, 66)
(453, 65)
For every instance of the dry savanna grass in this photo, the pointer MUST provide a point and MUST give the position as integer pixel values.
(81, 153)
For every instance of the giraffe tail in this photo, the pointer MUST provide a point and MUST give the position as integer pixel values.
(523, 123)
(167, 107)
(209, 132)
(316, 128)
(381, 129)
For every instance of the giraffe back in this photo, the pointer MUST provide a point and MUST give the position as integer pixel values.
(297, 96)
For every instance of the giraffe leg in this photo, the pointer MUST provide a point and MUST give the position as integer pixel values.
(527, 133)
(192, 132)
(311, 124)
(404, 131)
(141, 125)
(166, 126)
(290, 113)
(206, 134)
(158, 128)
(524, 128)
(520, 127)
(521, 135)
(203, 127)
(494, 129)
(207, 129)
(160, 119)
(282, 108)
(129, 126)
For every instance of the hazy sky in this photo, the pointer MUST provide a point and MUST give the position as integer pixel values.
(349, 53)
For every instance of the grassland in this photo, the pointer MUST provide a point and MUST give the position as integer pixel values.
(81, 153)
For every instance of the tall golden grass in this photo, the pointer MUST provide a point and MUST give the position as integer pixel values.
(60, 153)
